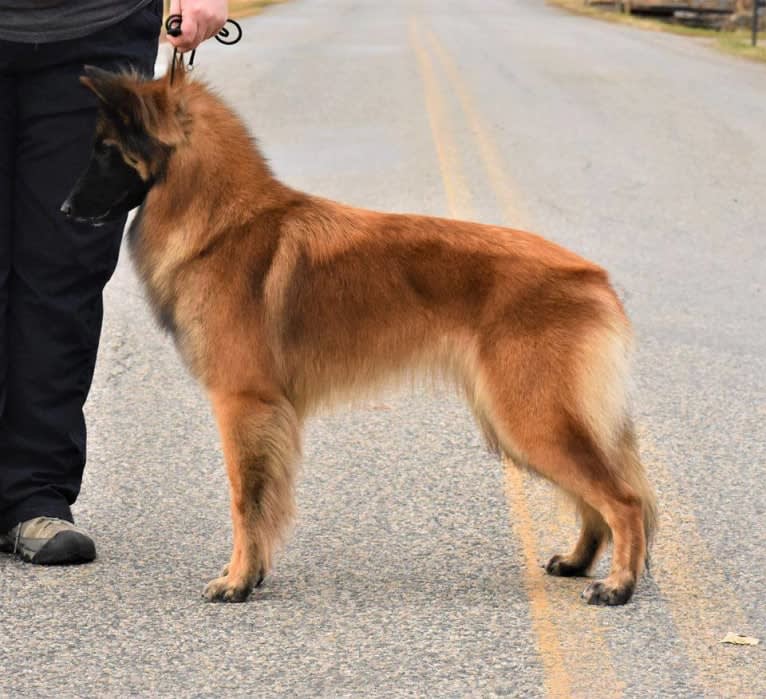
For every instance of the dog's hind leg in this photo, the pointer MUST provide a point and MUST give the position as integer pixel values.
(261, 447)
(567, 457)
(593, 536)
(595, 461)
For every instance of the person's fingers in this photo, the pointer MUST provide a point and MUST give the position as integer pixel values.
(215, 14)
(212, 17)
(189, 30)
(199, 35)
(176, 41)
(201, 19)
(175, 8)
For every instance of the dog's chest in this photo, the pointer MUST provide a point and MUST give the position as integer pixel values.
(177, 293)
(157, 263)
(182, 305)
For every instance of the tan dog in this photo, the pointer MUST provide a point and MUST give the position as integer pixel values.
(280, 302)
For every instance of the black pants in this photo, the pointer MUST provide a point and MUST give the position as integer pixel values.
(52, 272)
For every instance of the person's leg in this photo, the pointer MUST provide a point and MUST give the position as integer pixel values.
(7, 129)
(7, 150)
(58, 270)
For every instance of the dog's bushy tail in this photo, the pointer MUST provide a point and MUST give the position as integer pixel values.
(634, 474)
(604, 394)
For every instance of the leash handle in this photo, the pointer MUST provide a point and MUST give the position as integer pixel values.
(225, 36)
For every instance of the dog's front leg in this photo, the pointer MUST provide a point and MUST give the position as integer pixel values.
(261, 446)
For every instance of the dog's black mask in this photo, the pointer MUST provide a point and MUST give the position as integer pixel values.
(108, 189)
(125, 160)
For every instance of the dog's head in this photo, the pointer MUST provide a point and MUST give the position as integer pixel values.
(140, 124)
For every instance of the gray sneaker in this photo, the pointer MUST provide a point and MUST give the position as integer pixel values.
(49, 541)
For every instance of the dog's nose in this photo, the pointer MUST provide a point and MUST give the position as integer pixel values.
(66, 208)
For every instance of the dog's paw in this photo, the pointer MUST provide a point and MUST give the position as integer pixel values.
(602, 593)
(563, 568)
(225, 590)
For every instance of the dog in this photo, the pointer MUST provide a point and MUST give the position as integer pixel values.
(281, 302)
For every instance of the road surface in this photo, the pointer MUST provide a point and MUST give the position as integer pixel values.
(414, 566)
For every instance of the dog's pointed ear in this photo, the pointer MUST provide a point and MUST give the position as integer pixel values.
(111, 89)
(150, 106)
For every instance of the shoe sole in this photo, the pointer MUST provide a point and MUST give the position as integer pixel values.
(66, 548)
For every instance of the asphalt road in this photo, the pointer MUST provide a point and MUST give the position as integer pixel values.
(414, 566)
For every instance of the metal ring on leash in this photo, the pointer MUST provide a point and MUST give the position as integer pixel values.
(224, 36)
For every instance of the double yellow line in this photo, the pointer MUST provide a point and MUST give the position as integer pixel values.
(570, 641)
(557, 658)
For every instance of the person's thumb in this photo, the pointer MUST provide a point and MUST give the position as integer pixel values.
(186, 40)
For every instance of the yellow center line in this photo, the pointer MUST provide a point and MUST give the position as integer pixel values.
(502, 185)
(458, 195)
(557, 680)
(575, 654)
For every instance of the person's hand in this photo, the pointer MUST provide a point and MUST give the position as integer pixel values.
(200, 19)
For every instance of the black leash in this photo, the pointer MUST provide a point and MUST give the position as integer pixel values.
(225, 36)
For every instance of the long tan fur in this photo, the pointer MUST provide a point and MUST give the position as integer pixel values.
(281, 302)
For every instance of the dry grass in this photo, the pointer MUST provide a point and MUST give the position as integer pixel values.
(734, 42)
(738, 43)
(238, 8)
(246, 8)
